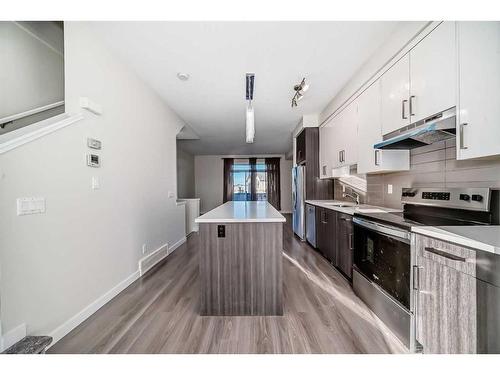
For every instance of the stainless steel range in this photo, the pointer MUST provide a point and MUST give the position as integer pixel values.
(383, 256)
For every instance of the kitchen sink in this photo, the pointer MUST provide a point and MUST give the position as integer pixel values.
(341, 204)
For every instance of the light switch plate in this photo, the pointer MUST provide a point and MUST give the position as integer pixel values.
(30, 206)
(95, 183)
(94, 143)
(389, 189)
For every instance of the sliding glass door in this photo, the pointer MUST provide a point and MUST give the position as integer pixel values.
(245, 176)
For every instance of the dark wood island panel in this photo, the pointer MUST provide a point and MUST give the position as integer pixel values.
(241, 273)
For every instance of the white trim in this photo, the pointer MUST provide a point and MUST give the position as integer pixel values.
(152, 259)
(13, 336)
(77, 319)
(286, 212)
(19, 137)
(31, 112)
(176, 245)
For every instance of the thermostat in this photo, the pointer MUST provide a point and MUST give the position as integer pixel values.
(93, 160)
(93, 143)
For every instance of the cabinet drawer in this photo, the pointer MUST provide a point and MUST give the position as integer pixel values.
(457, 257)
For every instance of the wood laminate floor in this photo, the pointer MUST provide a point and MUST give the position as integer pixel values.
(159, 314)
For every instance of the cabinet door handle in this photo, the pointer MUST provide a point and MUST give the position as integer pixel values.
(411, 105)
(324, 170)
(462, 147)
(343, 156)
(377, 157)
(444, 254)
(416, 281)
(351, 235)
(403, 112)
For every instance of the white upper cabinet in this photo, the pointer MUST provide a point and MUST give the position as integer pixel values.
(370, 132)
(423, 82)
(478, 127)
(338, 145)
(433, 73)
(325, 150)
(395, 89)
(345, 150)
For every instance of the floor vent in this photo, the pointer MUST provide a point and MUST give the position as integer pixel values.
(149, 261)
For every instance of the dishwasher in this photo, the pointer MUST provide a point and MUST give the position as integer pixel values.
(311, 224)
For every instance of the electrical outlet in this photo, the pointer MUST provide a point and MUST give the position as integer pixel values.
(389, 189)
(144, 248)
(170, 194)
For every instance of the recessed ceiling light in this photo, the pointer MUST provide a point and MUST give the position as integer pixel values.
(183, 76)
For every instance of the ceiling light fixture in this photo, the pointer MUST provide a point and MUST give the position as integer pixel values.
(183, 76)
(299, 89)
(250, 117)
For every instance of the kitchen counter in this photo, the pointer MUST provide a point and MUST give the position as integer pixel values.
(351, 208)
(242, 212)
(241, 270)
(486, 238)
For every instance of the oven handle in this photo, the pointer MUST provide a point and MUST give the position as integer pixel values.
(384, 229)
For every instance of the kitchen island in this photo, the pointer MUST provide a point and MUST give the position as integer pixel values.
(241, 268)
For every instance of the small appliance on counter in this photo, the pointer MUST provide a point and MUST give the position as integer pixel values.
(384, 258)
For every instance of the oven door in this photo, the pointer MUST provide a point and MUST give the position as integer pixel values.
(383, 255)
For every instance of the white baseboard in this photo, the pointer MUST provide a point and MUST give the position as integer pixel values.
(13, 336)
(176, 245)
(77, 319)
(286, 212)
(149, 261)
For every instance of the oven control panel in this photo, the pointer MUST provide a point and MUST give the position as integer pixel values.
(436, 195)
(477, 199)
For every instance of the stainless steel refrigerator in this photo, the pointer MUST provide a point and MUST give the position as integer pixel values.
(298, 200)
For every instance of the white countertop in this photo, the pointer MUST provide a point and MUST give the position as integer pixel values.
(242, 212)
(486, 238)
(352, 208)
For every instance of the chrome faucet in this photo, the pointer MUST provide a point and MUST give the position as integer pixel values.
(354, 196)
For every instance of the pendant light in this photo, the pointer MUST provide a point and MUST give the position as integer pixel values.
(250, 117)
(250, 125)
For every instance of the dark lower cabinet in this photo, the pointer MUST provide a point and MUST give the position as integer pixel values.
(345, 244)
(326, 226)
(335, 238)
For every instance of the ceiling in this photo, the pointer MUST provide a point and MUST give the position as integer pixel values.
(217, 55)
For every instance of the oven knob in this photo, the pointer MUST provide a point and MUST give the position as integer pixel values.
(477, 197)
(465, 197)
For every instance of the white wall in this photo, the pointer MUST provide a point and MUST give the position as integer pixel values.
(185, 174)
(55, 264)
(209, 170)
(33, 74)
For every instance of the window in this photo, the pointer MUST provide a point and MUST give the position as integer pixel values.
(242, 180)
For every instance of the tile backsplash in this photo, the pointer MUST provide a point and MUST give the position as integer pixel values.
(434, 166)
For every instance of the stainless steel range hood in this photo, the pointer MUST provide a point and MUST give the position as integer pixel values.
(430, 130)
